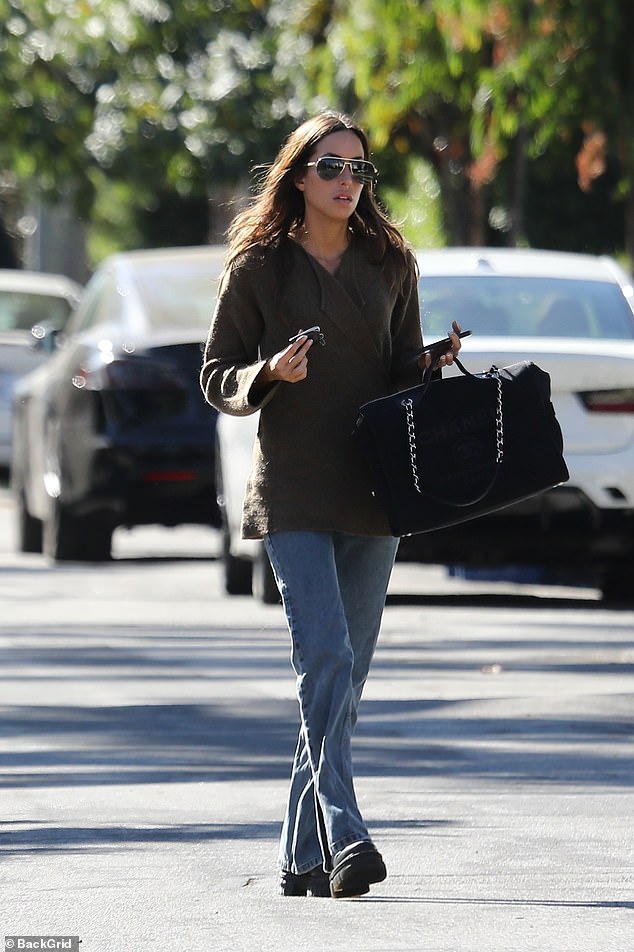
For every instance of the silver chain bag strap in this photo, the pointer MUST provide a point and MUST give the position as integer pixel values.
(457, 447)
(411, 432)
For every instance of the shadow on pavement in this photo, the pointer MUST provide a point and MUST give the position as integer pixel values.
(505, 600)
(530, 903)
(241, 735)
(180, 743)
(68, 839)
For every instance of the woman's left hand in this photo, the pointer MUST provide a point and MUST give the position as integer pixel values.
(445, 359)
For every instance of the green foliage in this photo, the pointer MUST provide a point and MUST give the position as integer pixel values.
(477, 85)
(417, 207)
(114, 226)
(163, 96)
(154, 102)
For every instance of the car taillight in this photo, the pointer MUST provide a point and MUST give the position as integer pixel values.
(609, 401)
(133, 373)
(170, 476)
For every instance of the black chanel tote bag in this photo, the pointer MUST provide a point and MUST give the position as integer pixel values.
(456, 448)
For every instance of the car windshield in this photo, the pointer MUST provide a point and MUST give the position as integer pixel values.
(525, 307)
(179, 295)
(21, 310)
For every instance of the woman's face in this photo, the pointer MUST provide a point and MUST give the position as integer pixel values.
(337, 199)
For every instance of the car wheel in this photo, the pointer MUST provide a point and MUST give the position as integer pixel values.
(264, 585)
(71, 538)
(616, 584)
(238, 575)
(238, 572)
(29, 528)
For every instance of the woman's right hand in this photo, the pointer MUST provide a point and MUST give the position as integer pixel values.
(290, 364)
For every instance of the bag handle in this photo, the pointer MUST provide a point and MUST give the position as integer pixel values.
(499, 436)
(428, 372)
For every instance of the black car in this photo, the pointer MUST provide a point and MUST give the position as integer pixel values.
(113, 430)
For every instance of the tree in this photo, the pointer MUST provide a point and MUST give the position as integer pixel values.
(173, 99)
(164, 103)
(481, 88)
(562, 79)
(600, 78)
(402, 83)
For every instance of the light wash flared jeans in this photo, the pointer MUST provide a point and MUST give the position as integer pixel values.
(333, 587)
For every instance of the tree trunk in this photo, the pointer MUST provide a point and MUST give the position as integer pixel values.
(464, 213)
(174, 220)
(8, 256)
(629, 227)
(478, 217)
(518, 194)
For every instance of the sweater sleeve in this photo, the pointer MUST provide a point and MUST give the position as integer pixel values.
(407, 337)
(232, 359)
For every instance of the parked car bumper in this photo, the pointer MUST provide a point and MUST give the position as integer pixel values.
(562, 526)
(140, 485)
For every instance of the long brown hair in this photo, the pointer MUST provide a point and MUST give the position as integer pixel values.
(278, 209)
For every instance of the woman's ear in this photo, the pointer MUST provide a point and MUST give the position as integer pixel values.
(299, 181)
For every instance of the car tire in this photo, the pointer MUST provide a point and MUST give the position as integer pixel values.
(29, 528)
(238, 575)
(238, 572)
(71, 538)
(616, 584)
(264, 585)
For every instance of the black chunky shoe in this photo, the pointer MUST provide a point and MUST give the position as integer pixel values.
(313, 883)
(355, 868)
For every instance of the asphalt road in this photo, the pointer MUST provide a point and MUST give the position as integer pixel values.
(147, 724)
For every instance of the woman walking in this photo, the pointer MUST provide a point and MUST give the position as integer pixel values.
(315, 250)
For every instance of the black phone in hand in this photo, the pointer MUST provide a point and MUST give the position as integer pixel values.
(440, 347)
(312, 333)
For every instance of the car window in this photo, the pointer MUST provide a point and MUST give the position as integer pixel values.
(182, 294)
(95, 307)
(524, 307)
(20, 310)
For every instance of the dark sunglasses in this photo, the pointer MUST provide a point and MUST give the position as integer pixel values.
(329, 167)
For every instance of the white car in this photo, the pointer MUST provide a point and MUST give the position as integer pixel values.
(30, 303)
(571, 314)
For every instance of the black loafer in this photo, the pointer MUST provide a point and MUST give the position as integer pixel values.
(355, 868)
(313, 883)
